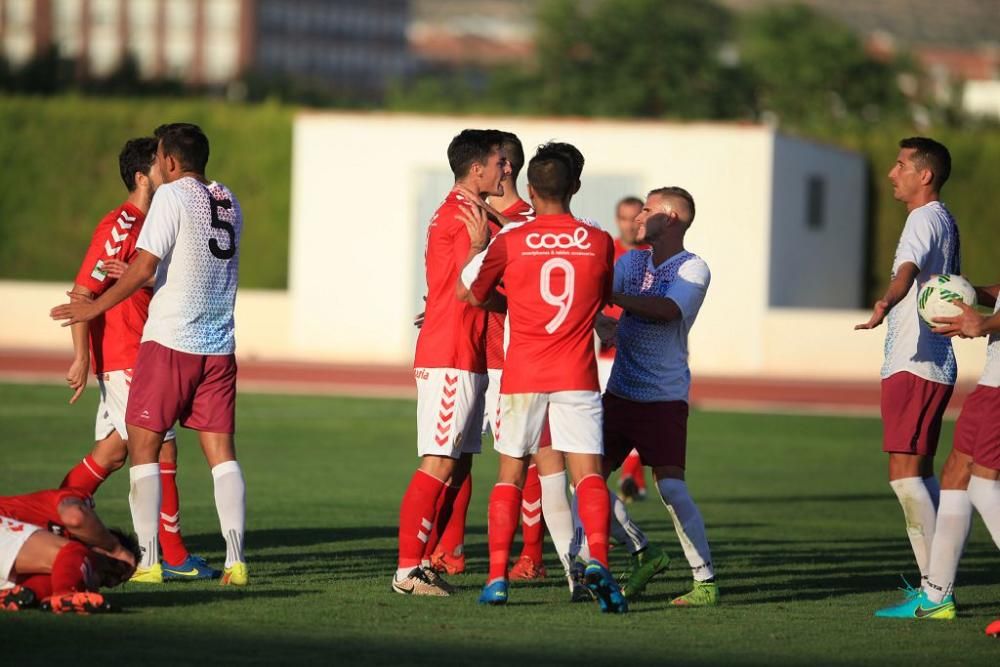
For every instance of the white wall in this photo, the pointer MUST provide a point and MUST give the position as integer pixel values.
(982, 98)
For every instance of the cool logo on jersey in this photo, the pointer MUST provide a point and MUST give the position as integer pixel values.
(578, 239)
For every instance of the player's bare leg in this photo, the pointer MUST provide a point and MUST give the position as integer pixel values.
(911, 477)
(68, 564)
(690, 527)
(230, 501)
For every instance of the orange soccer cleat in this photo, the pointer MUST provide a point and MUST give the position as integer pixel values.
(77, 603)
(526, 569)
(16, 598)
(445, 562)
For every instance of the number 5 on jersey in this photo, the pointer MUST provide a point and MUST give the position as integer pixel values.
(564, 299)
(218, 223)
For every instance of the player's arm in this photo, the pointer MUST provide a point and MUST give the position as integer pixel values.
(78, 371)
(83, 309)
(970, 323)
(84, 525)
(483, 289)
(987, 296)
(656, 308)
(899, 286)
(479, 234)
(482, 204)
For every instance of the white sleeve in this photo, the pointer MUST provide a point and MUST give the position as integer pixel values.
(162, 225)
(689, 288)
(915, 242)
(471, 270)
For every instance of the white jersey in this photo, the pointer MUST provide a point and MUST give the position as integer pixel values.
(991, 372)
(930, 241)
(651, 360)
(195, 231)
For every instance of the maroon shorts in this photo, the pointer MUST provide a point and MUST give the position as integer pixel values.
(199, 390)
(657, 430)
(912, 408)
(977, 432)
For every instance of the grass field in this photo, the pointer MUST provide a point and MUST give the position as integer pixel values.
(806, 535)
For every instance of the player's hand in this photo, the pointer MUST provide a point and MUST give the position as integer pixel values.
(475, 223)
(76, 377)
(418, 321)
(969, 324)
(607, 330)
(80, 309)
(115, 268)
(878, 314)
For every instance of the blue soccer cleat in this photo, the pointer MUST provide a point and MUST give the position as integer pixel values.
(494, 593)
(193, 567)
(605, 589)
(919, 607)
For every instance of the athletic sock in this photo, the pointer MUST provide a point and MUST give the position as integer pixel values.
(532, 523)
(595, 514)
(934, 489)
(171, 542)
(231, 504)
(558, 516)
(578, 547)
(39, 584)
(87, 475)
(689, 525)
(416, 518)
(918, 511)
(622, 527)
(71, 569)
(144, 501)
(954, 518)
(452, 540)
(985, 497)
(505, 503)
(632, 468)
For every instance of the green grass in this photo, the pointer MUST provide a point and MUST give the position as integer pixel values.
(806, 535)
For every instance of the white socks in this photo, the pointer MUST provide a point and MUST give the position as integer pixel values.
(918, 510)
(557, 514)
(985, 496)
(689, 525)
(952, 529)
(230, 502)
(622, 527)
(144, 501)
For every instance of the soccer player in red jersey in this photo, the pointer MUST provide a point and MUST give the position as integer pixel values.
(54, 549)
(110, 343)
(557, 274)
(449, 368)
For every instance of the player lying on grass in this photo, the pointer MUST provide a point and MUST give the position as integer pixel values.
(55, 550)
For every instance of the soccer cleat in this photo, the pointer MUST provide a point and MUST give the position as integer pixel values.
(235, 575)
(993, 629)
(494, 593)
(920, 607)
(417, 583)
(445, 562)
(77, 603)
(703, 594)
(605, 589)
(580, 593)
(193, 567)
(437, 580)
(148, 575)
(525, 569)
(17, 598)
(646, 564)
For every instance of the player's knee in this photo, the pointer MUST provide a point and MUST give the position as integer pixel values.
(956, 471)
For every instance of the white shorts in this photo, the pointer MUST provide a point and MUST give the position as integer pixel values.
(491, 415)
(114, 386)
(13, 535)
(450, 406)
(575, 419)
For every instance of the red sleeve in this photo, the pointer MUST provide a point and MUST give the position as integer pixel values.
(492, 270)
(91, 274)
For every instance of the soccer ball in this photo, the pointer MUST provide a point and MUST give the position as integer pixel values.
(937, 296)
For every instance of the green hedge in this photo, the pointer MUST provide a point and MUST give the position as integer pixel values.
(60, 176)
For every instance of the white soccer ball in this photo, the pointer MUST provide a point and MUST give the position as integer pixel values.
(938, 295)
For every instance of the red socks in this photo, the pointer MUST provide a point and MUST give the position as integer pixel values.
(71, 569)
(453, 535)
(632, 467)
(532, 523)
(595, 514)
(171, 542)
(39, 584)
(505, 505)
(87, 475)
(416, 517)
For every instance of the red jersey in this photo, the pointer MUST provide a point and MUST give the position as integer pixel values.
(41, 508)
(519, 211)
(454, 333)
(115, 336)
(608, 352)
(558, 273)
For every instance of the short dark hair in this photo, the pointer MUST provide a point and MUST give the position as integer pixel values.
(630, 200)
(680, 193)
(515, 153)
(550, 173)
(571, 152)
(930, 154)
(470, 147)
(128, 541)
(137, 155)
(186, 143)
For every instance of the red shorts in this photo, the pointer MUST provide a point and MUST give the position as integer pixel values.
(977, 432)
(199, 390)
(657, 430)
(912, 408)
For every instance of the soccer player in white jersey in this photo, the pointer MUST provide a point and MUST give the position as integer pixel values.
(186, 368)
(660, 291)
(919, 371)
(976, 454)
